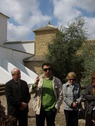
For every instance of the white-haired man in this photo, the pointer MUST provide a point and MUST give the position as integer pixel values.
(17, 94)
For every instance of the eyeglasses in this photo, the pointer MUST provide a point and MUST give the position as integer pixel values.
(72, 79)
(49, 69)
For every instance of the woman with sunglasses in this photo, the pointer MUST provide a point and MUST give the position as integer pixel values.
(72, 99)
(90, 102)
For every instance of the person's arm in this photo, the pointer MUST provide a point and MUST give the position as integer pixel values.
(88, 95)
(78, 100)
(60, 96)
(66, 98)
(26, 98)
(33, 87)
(28, 94)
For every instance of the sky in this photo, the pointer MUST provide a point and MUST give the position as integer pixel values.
(28, 15)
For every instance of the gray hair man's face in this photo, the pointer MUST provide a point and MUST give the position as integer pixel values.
(16, 74)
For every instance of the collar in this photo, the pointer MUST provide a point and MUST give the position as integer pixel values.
(51, 78)
(16, 81)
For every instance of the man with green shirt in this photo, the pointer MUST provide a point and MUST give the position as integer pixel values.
(48, 96)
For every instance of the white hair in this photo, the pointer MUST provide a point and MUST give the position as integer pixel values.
(13, 71)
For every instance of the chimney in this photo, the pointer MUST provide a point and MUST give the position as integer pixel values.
(3, 28)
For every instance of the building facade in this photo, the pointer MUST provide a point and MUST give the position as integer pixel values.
(43, 36)
(12, 55)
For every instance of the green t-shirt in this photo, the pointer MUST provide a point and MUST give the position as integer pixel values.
(48, 98)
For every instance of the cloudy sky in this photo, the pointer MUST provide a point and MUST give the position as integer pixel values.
(27, 15)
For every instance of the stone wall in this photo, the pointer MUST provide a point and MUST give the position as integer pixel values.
(41, 41)
(35, 66)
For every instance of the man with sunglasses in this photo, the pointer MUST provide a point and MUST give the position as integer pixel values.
(48, 96)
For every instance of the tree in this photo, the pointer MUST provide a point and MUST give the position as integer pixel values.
(63, 50)
(88, 53)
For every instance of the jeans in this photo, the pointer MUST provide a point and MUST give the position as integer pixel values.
(48, 115)
(71, 118)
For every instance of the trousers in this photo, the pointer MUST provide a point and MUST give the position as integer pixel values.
(71, 118)
(48, 115)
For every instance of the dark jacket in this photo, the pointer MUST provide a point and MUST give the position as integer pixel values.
(90, 99)
(15, 94)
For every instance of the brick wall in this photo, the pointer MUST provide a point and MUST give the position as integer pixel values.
(34, 66)
(41, 41)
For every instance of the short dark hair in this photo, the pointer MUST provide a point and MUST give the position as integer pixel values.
(47, 64)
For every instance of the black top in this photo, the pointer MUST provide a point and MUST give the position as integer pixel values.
(15, 94)
(90, 99)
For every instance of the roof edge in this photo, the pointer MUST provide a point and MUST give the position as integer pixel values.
(15, 50)
(19, 42)
(4, 15)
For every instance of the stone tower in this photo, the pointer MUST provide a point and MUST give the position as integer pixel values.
(43, 36)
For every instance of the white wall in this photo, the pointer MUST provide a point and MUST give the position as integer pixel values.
(26, 70)
(4, 76)
(5, 54)
(19, 56)
(7, 58)
(3, 29)
(27, 47)
(12, 55)
(23, 75)
(9, 55)
(7, 66)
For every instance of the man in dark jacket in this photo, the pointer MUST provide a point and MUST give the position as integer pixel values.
(17, 94)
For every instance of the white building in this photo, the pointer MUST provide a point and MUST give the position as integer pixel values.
(12, 55)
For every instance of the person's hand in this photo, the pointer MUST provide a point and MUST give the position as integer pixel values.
(23, 106)
(74, 104)
(37, 80)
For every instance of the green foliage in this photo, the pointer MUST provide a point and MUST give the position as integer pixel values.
(89, 62)
(63, 49)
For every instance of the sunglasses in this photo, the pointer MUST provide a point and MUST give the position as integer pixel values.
(47, 69)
